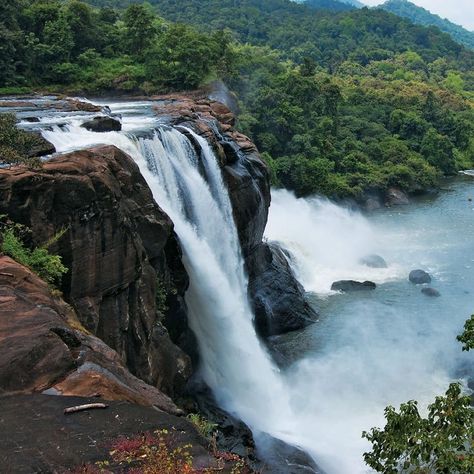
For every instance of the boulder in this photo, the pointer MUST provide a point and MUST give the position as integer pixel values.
(430, 292)
(373, 261)
(41, 147)
(419, 277)
(277, 297)
(351, 285)
(103, 124)
(396, 197)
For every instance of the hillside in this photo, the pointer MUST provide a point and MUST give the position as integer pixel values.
(421, 16)
(345, 104)
(332, 5)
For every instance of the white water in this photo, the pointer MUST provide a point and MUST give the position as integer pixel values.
(234, 363)
(326, 240)
(362, 356)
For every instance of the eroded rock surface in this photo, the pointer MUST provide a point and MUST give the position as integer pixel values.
(45, 348)
(120, 249)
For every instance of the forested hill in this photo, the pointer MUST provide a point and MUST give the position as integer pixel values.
(340, 103)
(326, 37)
(333, 5)
(422, 16)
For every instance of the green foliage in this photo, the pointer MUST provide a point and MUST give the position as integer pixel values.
(69, 43)
(341, 103)
(15, 144)
(161, 295)
(204, 426)
(441, 442)
(47, 266)
(467, 337)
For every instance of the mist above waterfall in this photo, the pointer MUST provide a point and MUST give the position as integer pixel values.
(327, 241)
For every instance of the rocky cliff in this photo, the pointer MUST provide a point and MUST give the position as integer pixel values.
(123, 334)
(120, 249)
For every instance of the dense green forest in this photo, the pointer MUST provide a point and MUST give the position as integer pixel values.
(340, 103)
(422, 16)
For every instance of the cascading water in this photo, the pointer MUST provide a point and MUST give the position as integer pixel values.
(190, 189)
(365, 353)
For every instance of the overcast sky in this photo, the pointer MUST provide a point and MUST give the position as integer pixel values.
(458, 11)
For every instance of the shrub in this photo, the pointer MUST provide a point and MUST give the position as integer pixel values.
(205, 427)
(15, 144)
(47, 266)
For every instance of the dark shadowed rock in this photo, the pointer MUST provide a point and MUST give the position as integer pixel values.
(103, 124)
(351, 285)
(283, 458)
(119, 246)
(278, 298)
(430, 292)
(396, 197)
(373, 261)
(419, 277)
(41, 146)
(44, 440)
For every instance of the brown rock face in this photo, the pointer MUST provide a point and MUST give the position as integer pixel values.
(119, 247)
(44, 347)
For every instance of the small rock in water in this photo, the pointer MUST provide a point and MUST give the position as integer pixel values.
(419, 277)
(430, 292)
(102, 124)
(351, 285)
(373, 261)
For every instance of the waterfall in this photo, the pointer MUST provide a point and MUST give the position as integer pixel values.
(188, 186)
(234, 363)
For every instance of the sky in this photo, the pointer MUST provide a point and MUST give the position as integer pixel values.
(458, 11)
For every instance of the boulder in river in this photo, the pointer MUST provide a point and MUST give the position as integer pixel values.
(430, 292)
(419, 277)
(103, 124)
(351, 285)
(396, 197)
(373, 261)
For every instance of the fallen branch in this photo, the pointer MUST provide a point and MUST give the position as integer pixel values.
(90, 406)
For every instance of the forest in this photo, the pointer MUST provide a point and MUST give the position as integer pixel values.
(339, 103)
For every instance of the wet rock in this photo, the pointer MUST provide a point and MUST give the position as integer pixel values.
(103, 124)
(283, 458)
(373, 261)
(278, 298)
(41, 146)
(396, 197)
(351, 285)
(430, 292)
(419, 277)
(31, 119)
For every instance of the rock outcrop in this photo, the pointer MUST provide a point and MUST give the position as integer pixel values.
(45, 348)
(103, 124)
(351, 285)
(278, 298)
(120, 249)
